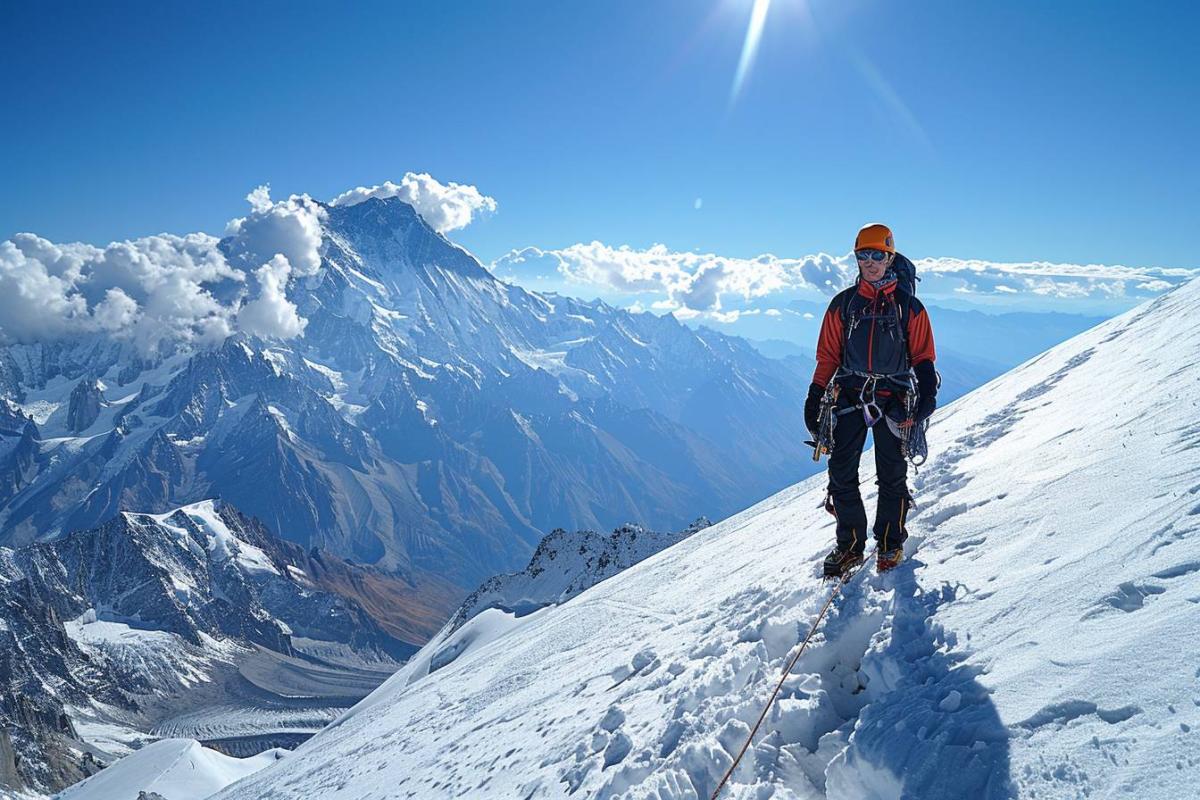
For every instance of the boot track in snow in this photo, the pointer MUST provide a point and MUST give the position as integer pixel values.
(787, 671)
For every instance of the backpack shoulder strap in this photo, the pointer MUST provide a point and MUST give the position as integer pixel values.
(847, 300)
(903, 312)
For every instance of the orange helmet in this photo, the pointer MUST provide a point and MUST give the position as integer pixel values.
(875, 236)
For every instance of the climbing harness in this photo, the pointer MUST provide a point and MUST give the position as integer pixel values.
(913, 444)
(872, 413)
(837, 587)
(903, 381)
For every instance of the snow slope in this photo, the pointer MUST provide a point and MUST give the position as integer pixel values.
(176, 769)
(1040, 641)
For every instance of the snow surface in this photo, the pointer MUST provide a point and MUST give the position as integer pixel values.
(1039, 641)
(177, 769)
(222, 543)
(110, 738)
(162, 654)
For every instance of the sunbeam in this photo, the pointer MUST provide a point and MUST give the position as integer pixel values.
(758, 16)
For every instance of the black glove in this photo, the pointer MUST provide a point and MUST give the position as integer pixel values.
(927, 386)
(812, 408)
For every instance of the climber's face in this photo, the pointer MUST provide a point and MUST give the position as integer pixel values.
(873, 263)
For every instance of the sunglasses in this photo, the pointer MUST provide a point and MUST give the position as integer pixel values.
(870, 255)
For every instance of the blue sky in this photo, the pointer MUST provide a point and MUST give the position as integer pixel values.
(1018, 131)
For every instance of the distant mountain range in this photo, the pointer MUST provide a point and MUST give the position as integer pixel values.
(563, 566)
(431, 420)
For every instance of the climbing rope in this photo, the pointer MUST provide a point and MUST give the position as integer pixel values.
(787, 671)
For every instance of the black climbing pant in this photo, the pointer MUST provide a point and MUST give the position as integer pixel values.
(849, 437)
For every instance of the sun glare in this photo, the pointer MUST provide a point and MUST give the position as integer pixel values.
(758, 17)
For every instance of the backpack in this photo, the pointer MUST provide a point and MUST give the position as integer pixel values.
(906, 274)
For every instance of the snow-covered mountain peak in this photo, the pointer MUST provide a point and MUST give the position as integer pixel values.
(563, 565)
(430, 419)
(1030, 644)
(384, 243)
(205, 524)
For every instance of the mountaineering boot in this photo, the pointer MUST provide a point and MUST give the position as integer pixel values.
(889, 559)
(840, 563)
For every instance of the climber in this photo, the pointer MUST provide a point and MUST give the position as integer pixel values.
(876, 346)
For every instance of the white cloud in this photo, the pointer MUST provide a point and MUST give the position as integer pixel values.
(146, 290)
(711, 283)
(699, 281)
(291, 228)
(161, 291)
(1081, 283)
(116, 312)
(271, 314)
(37, 297)
(445, 206)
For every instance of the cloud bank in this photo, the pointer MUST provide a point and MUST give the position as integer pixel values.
(445, 206)
(724, 288)
(695, 281)
(164, 290)
(144, 290)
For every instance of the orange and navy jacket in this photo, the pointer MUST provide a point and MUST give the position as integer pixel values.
(868, 330)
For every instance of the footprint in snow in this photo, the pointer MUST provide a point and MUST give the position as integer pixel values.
(618, 747)
(1127, 597)
(1178, 571)
(612, 719)
(1067, 711)
(644, 662)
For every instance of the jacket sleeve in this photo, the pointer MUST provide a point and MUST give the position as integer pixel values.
(829, 346)
(920, 335)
